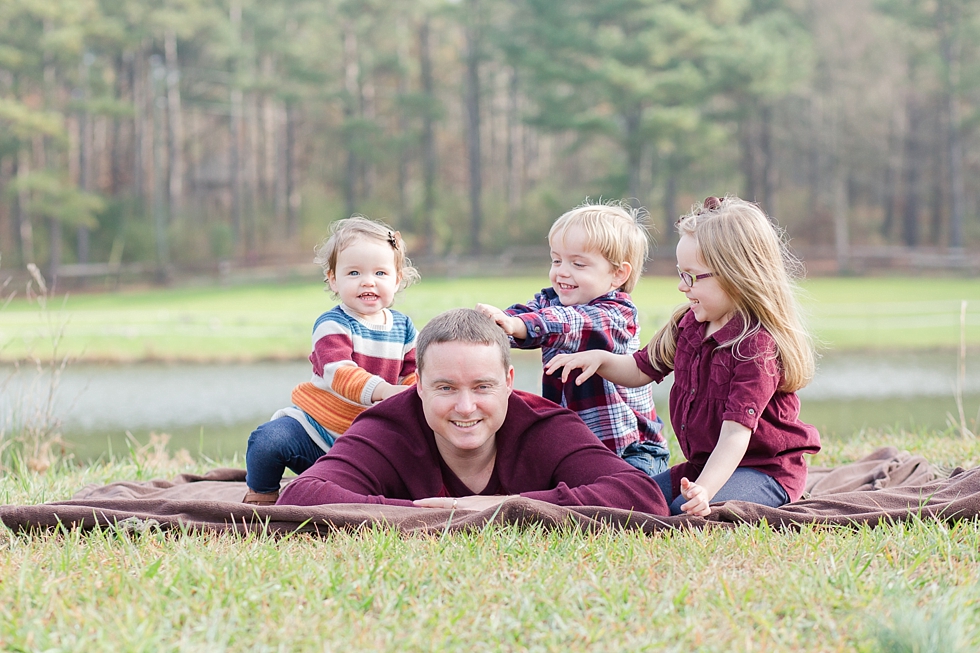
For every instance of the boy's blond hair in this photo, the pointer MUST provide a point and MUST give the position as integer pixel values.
(343, 233)
(615, 230)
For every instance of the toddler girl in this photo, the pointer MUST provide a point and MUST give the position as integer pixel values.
(363, 352)
(738, 352)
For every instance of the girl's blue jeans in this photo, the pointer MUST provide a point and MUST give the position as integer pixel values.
(272, 448)
(744, 485)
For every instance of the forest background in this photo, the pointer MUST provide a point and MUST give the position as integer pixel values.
(194, 135)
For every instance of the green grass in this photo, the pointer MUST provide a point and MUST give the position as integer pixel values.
(913, 586)
(908, 587)
(273, 321)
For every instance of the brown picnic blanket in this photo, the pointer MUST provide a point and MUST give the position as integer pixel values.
(885, 486)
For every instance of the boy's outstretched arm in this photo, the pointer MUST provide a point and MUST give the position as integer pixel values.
(512, 326)
(620, 369)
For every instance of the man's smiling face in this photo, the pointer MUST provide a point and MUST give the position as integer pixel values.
(464, 390)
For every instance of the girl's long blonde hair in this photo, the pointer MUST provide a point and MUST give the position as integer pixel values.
(748, 256)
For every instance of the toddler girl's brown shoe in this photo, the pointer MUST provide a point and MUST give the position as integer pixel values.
(260, 498)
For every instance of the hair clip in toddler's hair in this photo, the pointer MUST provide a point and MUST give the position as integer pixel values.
(392, 240)
(710, 204)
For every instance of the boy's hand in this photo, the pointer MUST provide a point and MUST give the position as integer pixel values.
(698, 499)
(587, 361)
(512, 326)
(384, 390)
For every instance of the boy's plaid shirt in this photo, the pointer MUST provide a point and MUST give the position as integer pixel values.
(618, 416)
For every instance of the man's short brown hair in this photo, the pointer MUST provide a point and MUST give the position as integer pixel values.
(462, 325)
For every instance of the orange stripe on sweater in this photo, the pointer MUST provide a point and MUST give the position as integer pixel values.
(332, 412)
(349, 381)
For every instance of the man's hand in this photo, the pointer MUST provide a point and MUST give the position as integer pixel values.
(384, 390)
(698, 499)
(512, 325)
(473, 502)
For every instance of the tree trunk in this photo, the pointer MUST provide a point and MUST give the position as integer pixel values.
(289, 166)
(175, 126)
(158, 80)
(842, 241)
(38, 155)
(913, 173)
(24, 227)
(634, 152)
(892, 172)
(746, 136)
(670, 203)
(270, 149)
(368, 113)
(351, 74)
(84, 164)
(814, 165)
(402, 122)
(513, 138)
(84, 181)
(768, 172)
(235, 134)
(428, 140)
(949, 47)
(138, 84)
(235, 166)
(251, 190)
(473, 126)
(937, 189)
(116, 150)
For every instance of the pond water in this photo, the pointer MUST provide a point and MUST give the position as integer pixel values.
(211, 409)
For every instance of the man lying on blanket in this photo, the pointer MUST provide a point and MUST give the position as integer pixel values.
(467, 440)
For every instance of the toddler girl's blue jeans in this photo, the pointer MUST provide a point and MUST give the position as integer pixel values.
(744, 485)
(272, 448)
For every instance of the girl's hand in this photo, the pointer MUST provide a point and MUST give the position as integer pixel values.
(384, 390)
(698, 499)
(512, 326)
(587, 361)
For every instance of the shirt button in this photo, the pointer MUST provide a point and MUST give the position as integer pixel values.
(683, 426)
(751, 411)
(692, 392)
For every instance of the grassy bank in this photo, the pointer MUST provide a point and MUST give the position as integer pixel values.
(902, 587)
(265, 321)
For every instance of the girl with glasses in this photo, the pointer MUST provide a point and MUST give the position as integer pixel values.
(738, 351)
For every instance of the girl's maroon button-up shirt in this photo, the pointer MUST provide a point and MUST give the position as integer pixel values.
(714, 383)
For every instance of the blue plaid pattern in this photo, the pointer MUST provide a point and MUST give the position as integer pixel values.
(618, 416)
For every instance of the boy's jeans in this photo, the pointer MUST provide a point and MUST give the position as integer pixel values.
(649, 457)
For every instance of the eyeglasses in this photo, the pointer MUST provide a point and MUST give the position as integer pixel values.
(689, 278)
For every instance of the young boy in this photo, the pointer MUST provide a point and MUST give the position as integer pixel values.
(597, 254)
